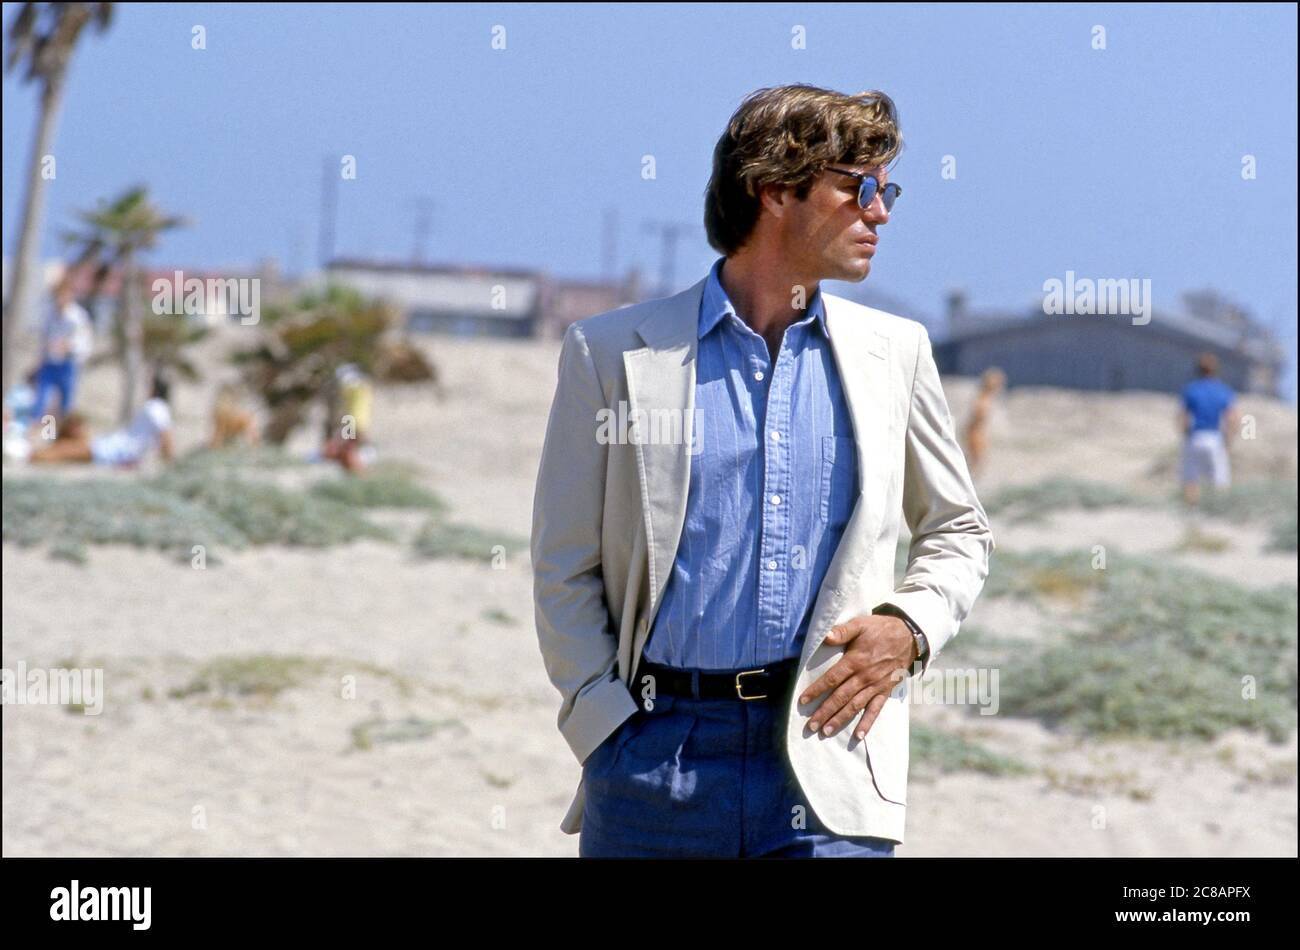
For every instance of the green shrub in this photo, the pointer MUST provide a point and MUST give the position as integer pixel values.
(437, 539)
(255, 675)
(1043, 574)
(1162, 651)
(1284, 534)
(382, 487)
(68, 514)
(1036, 501)
(174, 511)
(266, 514)
(935, 751)
(244, 458)
(408, 729)
(69, 549)
(1272, 501)
(1266, 499)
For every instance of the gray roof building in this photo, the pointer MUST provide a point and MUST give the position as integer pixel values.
(1112, 353)
(481, 301)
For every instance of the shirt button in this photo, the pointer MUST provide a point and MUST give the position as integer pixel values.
(771, 565)
(758, 375)
(776, 436)
(776, 499)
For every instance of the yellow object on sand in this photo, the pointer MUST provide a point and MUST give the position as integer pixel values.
(357, 397)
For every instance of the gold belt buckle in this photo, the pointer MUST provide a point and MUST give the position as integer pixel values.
(739, 692)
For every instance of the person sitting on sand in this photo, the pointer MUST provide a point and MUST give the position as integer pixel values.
(231, 422)
(348, 445)
(127, 447)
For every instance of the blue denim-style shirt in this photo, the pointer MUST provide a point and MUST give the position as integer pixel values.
(771, 490)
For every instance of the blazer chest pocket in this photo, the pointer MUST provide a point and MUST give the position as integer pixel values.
(839, 479)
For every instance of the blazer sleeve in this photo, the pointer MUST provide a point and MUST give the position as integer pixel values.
(948, 559)
(578, 644)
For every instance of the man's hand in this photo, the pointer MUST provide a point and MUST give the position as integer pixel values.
(880, 651)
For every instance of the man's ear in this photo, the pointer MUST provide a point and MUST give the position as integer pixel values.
(775, 198)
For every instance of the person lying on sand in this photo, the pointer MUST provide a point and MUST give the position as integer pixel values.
(126, 447)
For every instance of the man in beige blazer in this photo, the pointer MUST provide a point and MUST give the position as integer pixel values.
(798, 194)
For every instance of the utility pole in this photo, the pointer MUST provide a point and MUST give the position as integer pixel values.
(669, 232)
(423, 225)
(294, 234)
(609, 245)
(329, 205)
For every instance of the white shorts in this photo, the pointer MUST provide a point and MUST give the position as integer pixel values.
(116, 448)
(1205, 456)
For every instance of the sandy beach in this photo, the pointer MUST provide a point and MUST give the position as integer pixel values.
(403, 708)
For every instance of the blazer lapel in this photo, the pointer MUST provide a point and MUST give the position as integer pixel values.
(661, 393)
(866, 367)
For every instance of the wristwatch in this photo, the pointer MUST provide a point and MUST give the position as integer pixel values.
(922, 644)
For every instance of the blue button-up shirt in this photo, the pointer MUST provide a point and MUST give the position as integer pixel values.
(771, 489)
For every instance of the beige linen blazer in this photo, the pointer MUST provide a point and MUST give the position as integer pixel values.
(609, 509)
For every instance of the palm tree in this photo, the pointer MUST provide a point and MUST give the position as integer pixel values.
(304, 340)
(112, 237)
(43, 35)
(168, 347)
(168, 340)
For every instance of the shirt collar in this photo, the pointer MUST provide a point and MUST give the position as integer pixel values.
(715, 304)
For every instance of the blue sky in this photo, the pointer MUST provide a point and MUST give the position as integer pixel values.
(1123, 162)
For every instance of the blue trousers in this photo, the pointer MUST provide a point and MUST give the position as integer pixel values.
(54, 377)
(704, 778)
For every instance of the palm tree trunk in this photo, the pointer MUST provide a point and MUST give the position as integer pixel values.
(22, 289)
(132, 340)
(284, 419)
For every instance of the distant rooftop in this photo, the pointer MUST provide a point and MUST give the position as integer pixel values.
(1204, 318)
(411, 267)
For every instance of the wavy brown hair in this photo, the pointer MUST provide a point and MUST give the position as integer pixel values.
(786, 136)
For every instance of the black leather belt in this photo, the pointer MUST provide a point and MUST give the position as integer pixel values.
(769, 682)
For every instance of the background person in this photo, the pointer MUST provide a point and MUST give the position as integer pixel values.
(231, 422)
(992, 382)
(349, 437)
(1208, 418)
(150, 428)
(66, 342)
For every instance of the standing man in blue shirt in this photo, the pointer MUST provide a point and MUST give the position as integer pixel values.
(1208, 419)
(714, 588)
